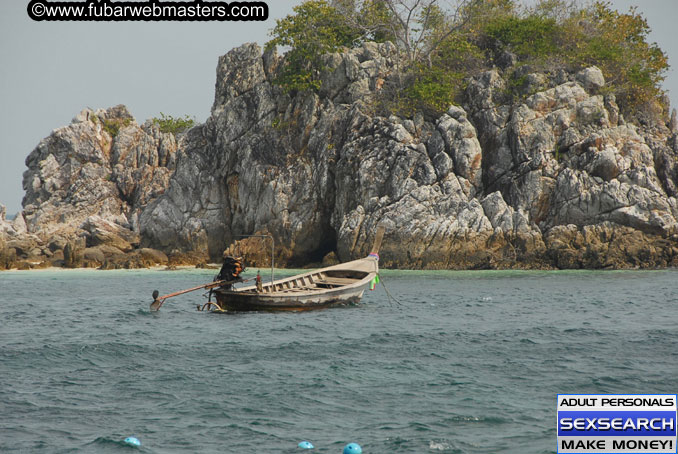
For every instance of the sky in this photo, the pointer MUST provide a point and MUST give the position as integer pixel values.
(50, 71)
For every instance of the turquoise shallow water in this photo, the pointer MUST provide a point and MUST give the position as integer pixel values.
(468, 362)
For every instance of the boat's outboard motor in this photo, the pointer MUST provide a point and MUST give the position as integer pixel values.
(231, 269)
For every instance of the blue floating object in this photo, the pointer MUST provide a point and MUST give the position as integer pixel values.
(132, 441)
(353, 448)
(306, 445)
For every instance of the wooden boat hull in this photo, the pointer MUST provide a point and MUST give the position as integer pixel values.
(234, 301)
(342, 284)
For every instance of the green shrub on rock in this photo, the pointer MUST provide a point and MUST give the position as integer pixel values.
(316, 28)
(442, 48)
(174, 125)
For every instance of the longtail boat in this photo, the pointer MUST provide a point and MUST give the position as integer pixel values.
(341, 284)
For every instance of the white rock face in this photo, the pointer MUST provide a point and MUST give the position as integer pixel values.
(102, 166)
(556, 179)
(321, 172)
(591, 79)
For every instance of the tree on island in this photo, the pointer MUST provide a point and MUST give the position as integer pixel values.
(442, 44)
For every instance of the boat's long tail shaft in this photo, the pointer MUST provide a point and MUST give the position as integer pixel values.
(159, 301)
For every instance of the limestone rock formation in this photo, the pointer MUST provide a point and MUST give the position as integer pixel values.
(487, 185)
(87, 183)
(553, 178)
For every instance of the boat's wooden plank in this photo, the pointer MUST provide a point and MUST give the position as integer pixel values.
(300, 289)
(337, 280)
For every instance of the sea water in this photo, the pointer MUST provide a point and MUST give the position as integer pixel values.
(462, 362)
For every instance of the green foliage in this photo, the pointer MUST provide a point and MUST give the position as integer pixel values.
(315, 29)
(440, 83)
(433, 91)
(370, 18)
(373, 17)
(476, 14)
(174, 125)
(532, 36)
(113, 125)
(617, 43)
(276, 123)
(515, 86)
(556, 33)
(442, 49)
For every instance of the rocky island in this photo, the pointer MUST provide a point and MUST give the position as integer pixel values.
(543, 174)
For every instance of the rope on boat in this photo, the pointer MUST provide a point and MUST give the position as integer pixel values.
(388, 294)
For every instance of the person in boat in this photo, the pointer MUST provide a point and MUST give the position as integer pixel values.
(260, 286)
(230, 270)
